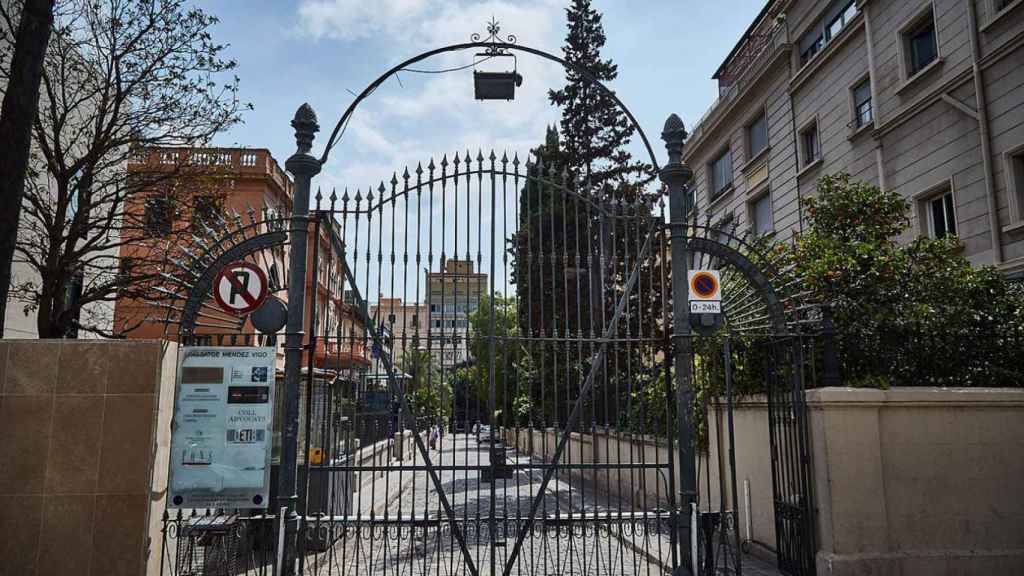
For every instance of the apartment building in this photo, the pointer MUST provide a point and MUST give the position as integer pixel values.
(405, 324)
(921, 97)
(453, 294)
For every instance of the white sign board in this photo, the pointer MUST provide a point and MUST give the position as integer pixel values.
(705, 287)
(221, 435)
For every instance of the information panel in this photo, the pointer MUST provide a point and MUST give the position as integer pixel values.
(221, 435)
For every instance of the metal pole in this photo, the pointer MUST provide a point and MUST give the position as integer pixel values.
(303, 167)
(676, 175)
(732, 456)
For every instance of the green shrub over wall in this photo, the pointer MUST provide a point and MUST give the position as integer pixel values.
(906, 313)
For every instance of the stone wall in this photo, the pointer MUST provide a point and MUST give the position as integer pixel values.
(918, 480)
(84, 438)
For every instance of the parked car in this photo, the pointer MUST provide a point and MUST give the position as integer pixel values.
(484, 434)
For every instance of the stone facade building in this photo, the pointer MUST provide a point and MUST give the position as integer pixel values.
(924, 98)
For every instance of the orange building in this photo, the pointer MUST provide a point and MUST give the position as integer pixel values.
(193, 192)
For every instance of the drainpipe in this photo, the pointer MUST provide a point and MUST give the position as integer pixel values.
(873, 83)
(986, 145)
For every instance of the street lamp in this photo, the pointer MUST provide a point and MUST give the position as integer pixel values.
(496, 85)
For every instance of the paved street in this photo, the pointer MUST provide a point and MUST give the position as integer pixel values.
(411, 535)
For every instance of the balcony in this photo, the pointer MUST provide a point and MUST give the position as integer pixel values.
(340, 355)
(236, 161)
(753, 56)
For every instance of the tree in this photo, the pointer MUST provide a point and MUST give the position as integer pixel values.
(595, 132)
(21, 97)
(510, 372)
(120, 78)
(915, 314)
(429, 393)
(584, 216)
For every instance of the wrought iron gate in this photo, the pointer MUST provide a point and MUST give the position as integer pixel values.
(517, 329)
(487, 383)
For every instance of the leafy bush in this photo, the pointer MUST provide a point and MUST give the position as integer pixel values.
(914, 314)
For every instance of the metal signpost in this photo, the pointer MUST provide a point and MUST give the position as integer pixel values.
(222, 428)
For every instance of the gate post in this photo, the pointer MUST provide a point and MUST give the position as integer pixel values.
(676, 175)
(303, 166)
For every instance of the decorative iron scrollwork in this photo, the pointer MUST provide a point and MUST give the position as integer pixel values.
(494, 38)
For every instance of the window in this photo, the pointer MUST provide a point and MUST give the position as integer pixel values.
(862, 115)
(761, 215)
(919, 44)
(757, 136)
(810, 44)
(835, 19)
(721, 173)
(205, 212)
(810, 151)
(942, 216)
(159, 216)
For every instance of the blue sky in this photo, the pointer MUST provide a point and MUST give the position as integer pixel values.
(319, 50)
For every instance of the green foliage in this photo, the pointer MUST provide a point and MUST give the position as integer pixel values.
(429, 393)
(512, 365)
(913, 314)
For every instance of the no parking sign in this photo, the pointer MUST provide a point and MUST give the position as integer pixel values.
(240, 288)
(705, 292)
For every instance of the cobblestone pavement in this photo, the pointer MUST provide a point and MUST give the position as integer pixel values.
(579, 531)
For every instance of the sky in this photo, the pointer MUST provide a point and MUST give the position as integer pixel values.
(323, 51)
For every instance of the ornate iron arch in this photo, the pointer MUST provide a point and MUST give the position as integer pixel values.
(189, 271)
(725, 246)
(494, 44)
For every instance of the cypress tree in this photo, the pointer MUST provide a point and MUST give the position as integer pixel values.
(595, 132)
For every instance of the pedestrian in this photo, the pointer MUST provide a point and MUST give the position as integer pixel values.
(433, 437)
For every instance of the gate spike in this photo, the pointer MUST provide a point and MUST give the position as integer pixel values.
(344, 196)
(455, 160)
(479, 155)
(405, 173)
(493, 156)
(444, 161)
(430, 166)
(319, 196)
(334, 197)
(504, 157)
(515, 160)
(394, 179)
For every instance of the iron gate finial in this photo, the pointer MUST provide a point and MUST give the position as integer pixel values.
(306, 127)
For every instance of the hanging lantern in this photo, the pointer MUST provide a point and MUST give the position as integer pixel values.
(496, 85)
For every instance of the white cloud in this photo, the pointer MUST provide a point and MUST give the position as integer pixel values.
(356, 19)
